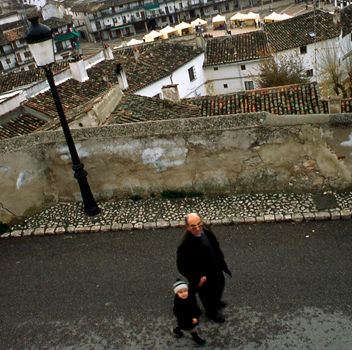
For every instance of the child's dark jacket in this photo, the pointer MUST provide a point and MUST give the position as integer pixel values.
(185, 310)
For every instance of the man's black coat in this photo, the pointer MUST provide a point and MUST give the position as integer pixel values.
(194, 259)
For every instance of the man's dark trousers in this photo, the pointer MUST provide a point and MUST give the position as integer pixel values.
(211, 291)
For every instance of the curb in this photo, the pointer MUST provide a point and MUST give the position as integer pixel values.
(344, 214)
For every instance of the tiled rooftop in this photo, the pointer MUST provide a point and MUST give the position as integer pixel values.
(346, 20)
(295, 32)
(90, 6)
(75, 94)
(346, 105)
(156, 61)
(54, 22)
(15, 34)
(290, 99)
(12, 81)
(135, 108)
(236, 48)
(21, 125)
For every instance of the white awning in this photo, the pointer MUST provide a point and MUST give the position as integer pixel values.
(219, 19)
(198, 22)
(134, 42)
(168, 31)
(152, 36)
(184, 26)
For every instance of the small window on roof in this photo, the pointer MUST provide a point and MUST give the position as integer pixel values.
(225, 86)
(309, 72)
(216, 68)
(243, 67)
(303, 50)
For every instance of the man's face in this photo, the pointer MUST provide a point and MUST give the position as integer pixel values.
(195, 225)
(183, 293)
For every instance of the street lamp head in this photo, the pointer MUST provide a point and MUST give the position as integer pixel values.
(40, 42)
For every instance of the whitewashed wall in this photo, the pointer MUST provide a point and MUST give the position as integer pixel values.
(180, 76)
(314, 54)
(232, 75)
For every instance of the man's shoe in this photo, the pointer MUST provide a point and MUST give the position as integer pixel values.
(197, 339)
(217, 318)
(221, 304)
(178, 333)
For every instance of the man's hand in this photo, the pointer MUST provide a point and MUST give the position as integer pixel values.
(194, 320)
(202, 280)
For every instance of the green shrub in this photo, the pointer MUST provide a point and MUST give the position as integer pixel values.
(4, 228)
(173, 194)
(194, 194)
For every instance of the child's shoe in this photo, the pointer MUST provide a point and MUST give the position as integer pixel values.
(178, 332)
(197, 339)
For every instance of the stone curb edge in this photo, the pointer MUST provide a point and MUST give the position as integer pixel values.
(297, 217)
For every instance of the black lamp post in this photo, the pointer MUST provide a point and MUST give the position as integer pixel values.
(41, 45)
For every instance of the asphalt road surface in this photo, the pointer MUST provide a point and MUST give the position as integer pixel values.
(291, 289)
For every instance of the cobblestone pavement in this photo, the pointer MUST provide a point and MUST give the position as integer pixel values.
(155, 213)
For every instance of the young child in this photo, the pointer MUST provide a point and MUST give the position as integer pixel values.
(186, 311)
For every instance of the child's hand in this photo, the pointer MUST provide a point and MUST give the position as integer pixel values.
(202, 280)
(194, 320)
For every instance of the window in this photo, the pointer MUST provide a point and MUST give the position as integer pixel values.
(192, 74)
(216, 68)
(27, 54)
(225, 86)
(309, 72)
(248, 85)
(8, 61)
(303, 50)
(243, 67)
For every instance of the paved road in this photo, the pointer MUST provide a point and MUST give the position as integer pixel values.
(291, 289)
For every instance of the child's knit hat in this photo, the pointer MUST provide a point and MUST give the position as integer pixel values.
(178, 285)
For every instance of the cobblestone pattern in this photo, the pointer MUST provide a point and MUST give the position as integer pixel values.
(156, 213)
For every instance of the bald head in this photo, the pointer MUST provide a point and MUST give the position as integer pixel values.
(192, 219)
(194, 223)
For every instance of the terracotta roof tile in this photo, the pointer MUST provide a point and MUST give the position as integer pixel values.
(135, 108)
(346, 20)
(236, 48)
(21, 125)
(295, 32)
(346, 105)
(12, 81)
(15, 34)
(290, 99)
(155, 62)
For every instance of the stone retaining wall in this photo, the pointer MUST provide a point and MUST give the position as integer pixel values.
(245, 153)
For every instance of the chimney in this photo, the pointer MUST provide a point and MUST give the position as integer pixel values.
(108, 52)
(200, 41)
(136, 54)
(123, 41)
(170, 92)
(334, 104)
(336, 19)
(78, 70)
(121, 76)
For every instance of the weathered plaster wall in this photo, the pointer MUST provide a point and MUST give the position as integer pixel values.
(241, 153)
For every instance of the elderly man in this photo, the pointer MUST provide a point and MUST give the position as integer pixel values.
(201, 261)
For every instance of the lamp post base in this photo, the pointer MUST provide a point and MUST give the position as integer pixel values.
(90, 206)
